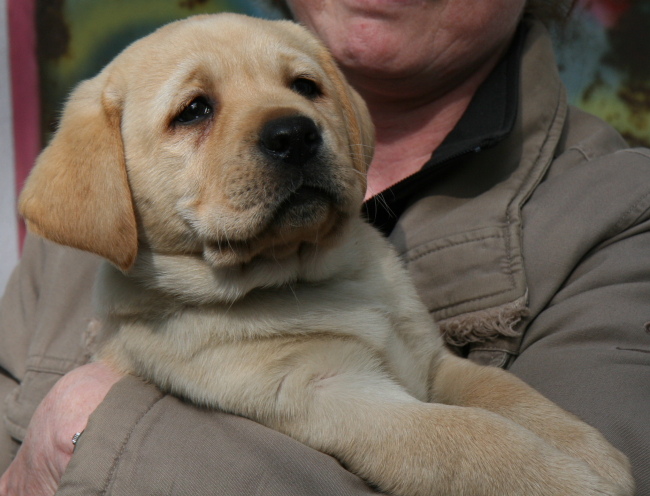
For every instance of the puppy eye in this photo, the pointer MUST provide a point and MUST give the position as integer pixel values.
(198, 109)
(306, 87)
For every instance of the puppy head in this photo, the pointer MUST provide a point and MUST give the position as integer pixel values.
(223, 136)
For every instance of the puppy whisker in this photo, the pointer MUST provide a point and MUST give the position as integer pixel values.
(290, 286)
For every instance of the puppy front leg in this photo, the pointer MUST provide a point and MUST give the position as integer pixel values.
(456, 381)
(336, 396)
(350, 408)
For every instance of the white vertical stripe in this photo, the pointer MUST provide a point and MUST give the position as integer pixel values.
(8, 222)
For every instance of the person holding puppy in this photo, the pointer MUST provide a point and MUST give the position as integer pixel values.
(523, 222)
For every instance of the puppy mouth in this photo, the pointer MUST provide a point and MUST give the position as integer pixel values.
(302, 207)
(306, 214)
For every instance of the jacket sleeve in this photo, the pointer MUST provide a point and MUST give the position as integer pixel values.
(140, 441)
(45, 317)
(587, 255)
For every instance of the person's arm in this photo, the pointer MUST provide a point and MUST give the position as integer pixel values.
(47, 447)
(44, 331)
(587, 256)
(46, 326)
(140, 441)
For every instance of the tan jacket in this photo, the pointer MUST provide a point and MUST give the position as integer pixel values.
(533, 255)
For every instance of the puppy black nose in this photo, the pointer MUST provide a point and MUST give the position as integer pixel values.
(292, 140)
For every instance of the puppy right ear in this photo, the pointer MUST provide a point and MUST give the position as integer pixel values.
(78, 192)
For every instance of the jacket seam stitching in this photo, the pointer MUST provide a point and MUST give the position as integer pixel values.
(547, 138)
(635, 152)
(16, 427)
(621, 220)
(440, 248)
(527, 179)
(50, 357)
(472, 300)
(581, 152)
(66, 363)
(116, 461)
(496, 350)
(46, 370)
(510, 275)
(639, 350)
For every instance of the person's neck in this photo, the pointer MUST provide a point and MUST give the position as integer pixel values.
(410, 126)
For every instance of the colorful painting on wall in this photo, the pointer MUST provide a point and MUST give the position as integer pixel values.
(604, 58)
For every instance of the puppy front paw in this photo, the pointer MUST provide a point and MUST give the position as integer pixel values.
(564, 475)
(612, 465)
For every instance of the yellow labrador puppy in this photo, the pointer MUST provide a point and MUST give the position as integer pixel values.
(218, 164)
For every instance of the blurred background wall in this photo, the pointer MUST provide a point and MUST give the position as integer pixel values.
(603, 55)
(8, 219)
(603, 52)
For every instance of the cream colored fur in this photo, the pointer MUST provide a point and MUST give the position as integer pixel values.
(304, 322)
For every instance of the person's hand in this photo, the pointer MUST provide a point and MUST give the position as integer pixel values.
(47, 447)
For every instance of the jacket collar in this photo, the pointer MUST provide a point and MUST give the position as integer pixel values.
(460, 229)
(488, 119)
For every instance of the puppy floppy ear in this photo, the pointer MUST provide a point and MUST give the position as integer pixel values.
(78, 193)
(364, 127)
(357, 118)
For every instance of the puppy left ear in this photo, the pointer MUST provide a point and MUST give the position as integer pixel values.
(357, 117)
(78, 193)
